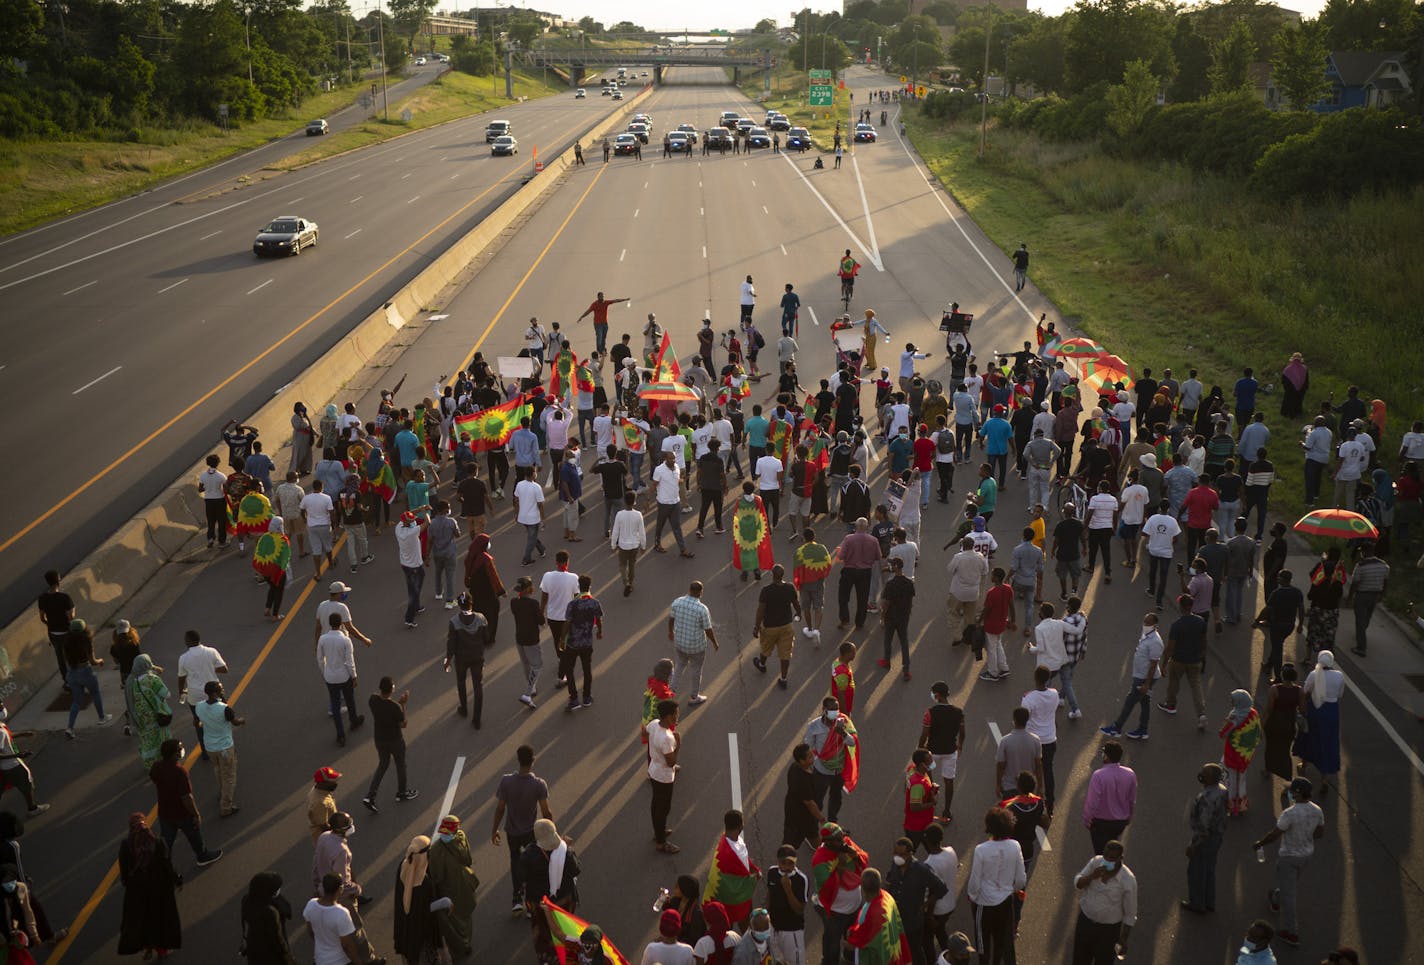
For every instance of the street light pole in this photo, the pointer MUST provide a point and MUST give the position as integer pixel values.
(984, 93)
(247, 34)
(381, 42)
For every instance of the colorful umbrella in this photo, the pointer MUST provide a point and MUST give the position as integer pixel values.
(1340, 523)
(667, 392)
(1105, 369)
(1076, 348)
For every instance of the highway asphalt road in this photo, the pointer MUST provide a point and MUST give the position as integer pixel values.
(135, 321)
(637, 229)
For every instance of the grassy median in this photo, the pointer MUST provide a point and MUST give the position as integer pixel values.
(40, 181)
(1168, 267)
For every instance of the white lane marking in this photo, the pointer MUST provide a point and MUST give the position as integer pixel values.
(445, 158)
(82, 287)
(783, 251)
(352, 235)
(622, 253)
(645, 185)
(764, 211)
(753, 184)
(814, 320)
(171, 287)
(355, 199)
(413, 200)
(401, 158)
(702, 212)
(704, 251)
(954, 220)
(1043, 844)
(998, 734)
(635, 211)
(211, 234)
(353, 177)
(261, 286)
(736, 772)
(96, 381)
(874, 258)
(406, 175)
(865, 205)
(449, 800)
(438, 318)
(699, 184)
(1389, 731)
(454, 176)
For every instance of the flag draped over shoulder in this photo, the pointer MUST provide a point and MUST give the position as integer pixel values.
(583, 384)
(820, 451)
(751, 536)
(812, 564)
(1242, 740)
(254, 512)
(731, 881)
(561, 375)
(656, 692)
(835, 749)
(843, 686)
(565, 929)
(634, 439)
(376, 474)
(878, 935)
(665, 365)
(827, 874)
(778, 438)
(491, 428)
(271, 556)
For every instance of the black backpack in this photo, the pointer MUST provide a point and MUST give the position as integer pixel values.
(944, 442)
(840, 460)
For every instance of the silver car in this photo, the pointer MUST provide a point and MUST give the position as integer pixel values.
(286, 235)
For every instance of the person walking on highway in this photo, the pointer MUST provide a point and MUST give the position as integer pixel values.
(218, 720)
(1298, 828)
(1107, 908)
(599, 310)
(521, 797)
(664, 744)
(775, 605)
(177, 809)
(585, 621)
(628, 538)
(466, 638)
(578, 153)
(321, 800)
(607, 149)
(410, 532)
(1020, 258)
(336, 660)
(1111, 800)
(667, 483)
(212, 487)
(1207, 822)
(387, 730)
(690, 630)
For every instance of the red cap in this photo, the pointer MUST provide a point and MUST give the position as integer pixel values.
(999, 408)
(326, 775)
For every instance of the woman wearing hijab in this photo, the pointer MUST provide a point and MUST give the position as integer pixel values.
(416, 932)
(11, 828)
(150, 922)
(452, 871)
(483, 582)
(18, 931)
(265, 914)
(302, 435)
(1242, 734)
(1213, 405)
(272, 559)
(1319, 745)
(1379, 506)
(1283, 704)
(1295, 379)
(330, 427)
(146, 697)
(720, 943)
(1322, 617)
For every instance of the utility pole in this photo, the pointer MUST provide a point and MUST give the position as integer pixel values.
(806, 41)
(984, 93)
(247, 34)
(381, 41)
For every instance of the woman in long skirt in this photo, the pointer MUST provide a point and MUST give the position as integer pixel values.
(302, 435)
(150, 922)
(1295, 379)
(1282, 704)
(1322, 618)
(146, 696)
(416, 931)
(483, 582)
(1319, 746)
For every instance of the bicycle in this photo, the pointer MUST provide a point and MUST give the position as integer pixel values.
(847, 289)
(1068, 489)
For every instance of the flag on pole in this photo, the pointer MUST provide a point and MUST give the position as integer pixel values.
(561, 375)
(491, 428)
(665, 364)
(566, 927)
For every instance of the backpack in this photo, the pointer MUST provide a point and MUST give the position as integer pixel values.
(944, 442)
(840, 460)
(758, 339)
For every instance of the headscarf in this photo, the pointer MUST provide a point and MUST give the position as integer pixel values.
(352, 486)
(277, 525)
(412, 870)
(714, 914)
(1378, 412)
(263, 892)
(1241, 707)
(331, 412)
(479, 556)
(1384, 488)
(1295, 371)
(142, 842)
(142, 668)
(1324, 663)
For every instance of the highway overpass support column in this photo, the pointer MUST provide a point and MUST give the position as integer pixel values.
(736, 75)
(575, 75)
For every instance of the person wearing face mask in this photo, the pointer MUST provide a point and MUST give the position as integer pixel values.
(836, 869)
(915, 887)
(332, 856)
(1256, 948)
(756, 947)
(1207, 819)
(1107, 908)
(833, 742)
(416, 928)
(453, 875)
(920, 794)
(18, 930)
(265, 914)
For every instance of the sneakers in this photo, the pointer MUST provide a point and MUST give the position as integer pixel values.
(587, 701)
(105, 721)
(1273, 898)
(1075, 714)
(759, 663)
(1201, 722)
(367, 559)
(209, 858)
(450, 605)
(905, 676)
(1112, 730)
(883, 664)
(781, 682)
(527, 701)
(1167, 708)
(516, 910)
(411, 624)
(1289, 937)
(370, 804)
(986, 675)
(572, 705)
(1137, 735)
(697, 699)
(69, 732)
(408, 795)
(39, 809)
(439, 596)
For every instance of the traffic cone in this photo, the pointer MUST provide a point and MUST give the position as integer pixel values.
(538, 164)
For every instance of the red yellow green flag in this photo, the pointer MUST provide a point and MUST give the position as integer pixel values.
(565, 929)
(633, 438)
(271, 556)
(583, 382)
(843, 686)
(731, 881)
(254, 512)
(1242, 740)
(878, 935)
(812, 564)
(751, 536)
(665, 365)
(561, 375)
(656, 692)
(778, 439)
(833, 869)
(377, 476)
(491, 428)
(820, 447)
(836, 750)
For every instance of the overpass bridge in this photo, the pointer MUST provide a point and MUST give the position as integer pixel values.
(578, 61)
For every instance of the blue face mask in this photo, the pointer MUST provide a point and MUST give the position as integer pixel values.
(1109, 865)
(762, 936)
(444, 837)
(8, 885)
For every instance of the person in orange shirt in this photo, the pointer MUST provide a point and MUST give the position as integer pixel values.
(843, 678)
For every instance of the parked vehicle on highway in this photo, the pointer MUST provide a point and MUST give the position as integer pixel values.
(497, 129)
(625, 144)
(504, 146)
(691, 132)
(717, 137)
(639, 130)
(779, 123)
(286, 235)
(758, 137)
(798, 139)
(729, 120)
(317, 127)
(580, 94)
(679, 142)
(864, 133)
(644, 119)
(743, 125)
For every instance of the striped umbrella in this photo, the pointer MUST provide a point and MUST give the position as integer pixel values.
(1340, 523)
(667, 392)
(1106, 369)
(1076, 348)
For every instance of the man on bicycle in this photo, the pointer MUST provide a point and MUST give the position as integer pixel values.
(847, 272)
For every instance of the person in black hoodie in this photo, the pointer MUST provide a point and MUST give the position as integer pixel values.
(465, 643)
(265, 914)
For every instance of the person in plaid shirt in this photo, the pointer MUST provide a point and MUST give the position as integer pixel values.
(690, 629)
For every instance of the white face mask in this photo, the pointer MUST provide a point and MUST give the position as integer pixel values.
(4, 713)
(833, 715)
(899, 860)
(351, 831)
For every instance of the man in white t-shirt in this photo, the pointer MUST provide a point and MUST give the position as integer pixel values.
(1042, 706)
(664, 742)
(1123, 411)
(534, 340)
(1133, 500)
(1298, 828)
(1160, 533)
(1354, 460)
(602, 430)
(332, 929)
(198, 665)
(556, 591)
(768, 472)
(1101, 517)
(409, 539)
(336, 603)
(722, 432)
(317, 508)
(529, 513)
(667, 488)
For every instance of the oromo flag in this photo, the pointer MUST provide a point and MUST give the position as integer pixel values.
(491, 428)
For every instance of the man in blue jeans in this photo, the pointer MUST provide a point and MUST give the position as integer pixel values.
(1145, 660)
(412, 562)
(337, 662)
(79, 655)
(177, 810)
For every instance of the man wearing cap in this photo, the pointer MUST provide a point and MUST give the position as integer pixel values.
(336, 603)
(321, 800)
(332, 856)
(666, 949)
(959, 952)
(465, 640)
(452, 872)
(409, 534)
(1298, 828)
(550, 869)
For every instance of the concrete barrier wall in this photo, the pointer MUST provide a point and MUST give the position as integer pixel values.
(145, 548)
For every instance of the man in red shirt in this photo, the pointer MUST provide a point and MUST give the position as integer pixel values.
(1200, 505)
(920, 794)
(924, 458)
(998, 618)
(599, 308)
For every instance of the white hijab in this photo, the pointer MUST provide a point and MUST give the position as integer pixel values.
(1324, 667)
(556, 867)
